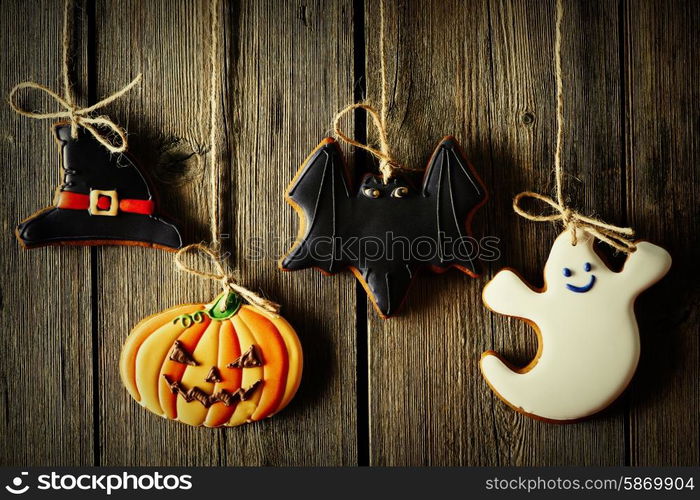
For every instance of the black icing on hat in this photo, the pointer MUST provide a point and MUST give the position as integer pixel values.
(104, 200)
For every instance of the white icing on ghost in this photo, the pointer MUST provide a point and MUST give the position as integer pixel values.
(587, 330)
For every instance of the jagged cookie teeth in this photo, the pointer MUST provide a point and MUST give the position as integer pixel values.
(223, 396)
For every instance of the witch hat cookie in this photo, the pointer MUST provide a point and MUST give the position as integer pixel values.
(104, 199)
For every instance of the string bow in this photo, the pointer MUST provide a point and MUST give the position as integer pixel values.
(387, 165)
(615, 236)
(79, 117)
(228, 283)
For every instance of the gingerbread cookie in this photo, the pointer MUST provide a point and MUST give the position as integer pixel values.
(384, 233)
(586, 328)
(217, 364)
(104, 200)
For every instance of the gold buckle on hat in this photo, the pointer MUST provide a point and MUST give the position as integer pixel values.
(113, 202)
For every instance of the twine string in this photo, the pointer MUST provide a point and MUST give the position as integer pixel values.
(67, 85)
(615, 236)
(220, 274)
(78, 117)
(618, 237)
(214, 86)
(387, 165)
(226, 279)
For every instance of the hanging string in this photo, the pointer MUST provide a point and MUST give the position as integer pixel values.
(214, 86)
(387, 165)
(615, 236)
(79, 117)
(226, 279)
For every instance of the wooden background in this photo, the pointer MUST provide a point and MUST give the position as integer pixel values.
(401, 392)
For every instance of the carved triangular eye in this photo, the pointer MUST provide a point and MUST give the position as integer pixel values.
(249, 359)
(180, 355)
(213, 375)
(247, 393)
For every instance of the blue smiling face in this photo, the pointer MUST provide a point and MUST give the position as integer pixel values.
(587, 268)
(576, 268)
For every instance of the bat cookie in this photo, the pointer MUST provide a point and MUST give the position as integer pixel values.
(382, 232)
(586, 328)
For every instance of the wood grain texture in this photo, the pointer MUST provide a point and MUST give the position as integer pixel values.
(291, 69)
(524, 128)
(485, 74)
(46, 414)
(481, 71)
(271, 111)
(663, 149)
(426, 396)
(168, 45)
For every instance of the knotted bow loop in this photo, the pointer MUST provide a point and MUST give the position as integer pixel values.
(387, 165)
(615, 236)
(226, 279)
(79, 117)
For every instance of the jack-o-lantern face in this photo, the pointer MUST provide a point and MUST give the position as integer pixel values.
(220, 364)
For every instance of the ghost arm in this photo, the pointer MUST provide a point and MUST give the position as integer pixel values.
(507, 294)
(644, 267)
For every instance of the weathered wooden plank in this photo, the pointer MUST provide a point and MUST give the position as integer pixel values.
(663, 150)
(168, 44)
(46, 415)
(428, 405)
(524, 127)
(292, 69)
(277, 98)
(485, 74)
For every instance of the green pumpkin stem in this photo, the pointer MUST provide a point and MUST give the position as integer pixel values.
(224, 306)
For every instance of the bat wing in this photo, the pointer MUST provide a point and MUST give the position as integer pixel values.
(455, 193)
(320, 194)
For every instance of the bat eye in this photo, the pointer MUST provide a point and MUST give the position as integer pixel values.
(399, 192)
(372, 192)
(587, 266)
(566, 272)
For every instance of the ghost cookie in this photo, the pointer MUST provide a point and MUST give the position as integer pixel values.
(586, 328)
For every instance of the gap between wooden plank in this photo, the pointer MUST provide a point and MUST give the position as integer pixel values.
(362, 342)
(624, 217)
(94, 283)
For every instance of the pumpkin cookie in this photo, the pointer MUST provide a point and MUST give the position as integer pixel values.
(218, 364)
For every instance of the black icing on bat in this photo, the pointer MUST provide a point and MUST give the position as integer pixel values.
(385, 233)
(105, 199)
